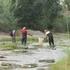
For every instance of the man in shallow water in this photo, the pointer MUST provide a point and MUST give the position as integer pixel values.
(24, 35)
(50, 38)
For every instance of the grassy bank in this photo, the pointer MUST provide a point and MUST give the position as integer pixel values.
(6, 42)
(8, 38)
(63, 64)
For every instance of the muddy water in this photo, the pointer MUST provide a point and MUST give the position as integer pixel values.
(30, 59)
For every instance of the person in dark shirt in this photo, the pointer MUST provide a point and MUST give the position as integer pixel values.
(50, 37)
(13, 34)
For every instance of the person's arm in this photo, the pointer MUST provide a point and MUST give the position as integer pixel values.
(28, 33)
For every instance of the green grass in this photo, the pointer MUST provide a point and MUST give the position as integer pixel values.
(6, 42)
(63, 64)
(6, 46)
(8, 38)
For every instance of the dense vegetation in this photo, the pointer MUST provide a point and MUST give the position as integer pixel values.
(34, 14)
(7, 21)
(37, 14)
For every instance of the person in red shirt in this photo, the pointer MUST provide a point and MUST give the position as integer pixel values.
(24, 35)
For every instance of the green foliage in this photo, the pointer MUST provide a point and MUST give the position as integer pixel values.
(7, 21)
(28, 13)
(34, 14)
(67, 2)
(37, 14)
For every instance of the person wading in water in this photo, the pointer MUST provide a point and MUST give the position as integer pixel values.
(24, 35)
(13, 35)
(50, 38)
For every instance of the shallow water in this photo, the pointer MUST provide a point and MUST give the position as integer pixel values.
(30, 59)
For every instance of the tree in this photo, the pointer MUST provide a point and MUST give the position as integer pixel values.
(67, 2)
(6, 16)
(36, 14)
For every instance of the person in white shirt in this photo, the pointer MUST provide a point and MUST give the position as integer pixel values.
(50, 37)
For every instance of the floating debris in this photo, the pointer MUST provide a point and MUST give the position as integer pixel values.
(2, 56)
(48, 60)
